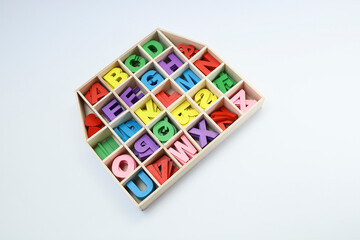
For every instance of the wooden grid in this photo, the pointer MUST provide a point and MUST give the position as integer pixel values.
(170, 42)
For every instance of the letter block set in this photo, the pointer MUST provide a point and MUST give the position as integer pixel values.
(158, 109)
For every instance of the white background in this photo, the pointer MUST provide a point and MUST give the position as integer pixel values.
(291, 172)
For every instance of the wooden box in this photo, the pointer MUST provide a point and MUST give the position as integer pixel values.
(191, 59)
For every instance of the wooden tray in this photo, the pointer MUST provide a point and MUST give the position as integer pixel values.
(170, 42)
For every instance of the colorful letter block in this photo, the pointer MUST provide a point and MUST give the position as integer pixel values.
(96, 92)
(141, 194)
(167, 99)
(204, 98)
(164, 130)
(131, 96)
(202, 134)
(153, 48)
(144, 147)
(223, 117)
(106, 148)
(171, 63)
(207, 64)
(188, 50)
(239, 99)
(127, 130)
(224, 82)
(162, 169)
(112, 110)
(93, 124)
(115, 77)
(191, 79)
(183, 151)
(151, 79)
(150, 111)
(135, 62)
(118, 166)
(184, 113)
